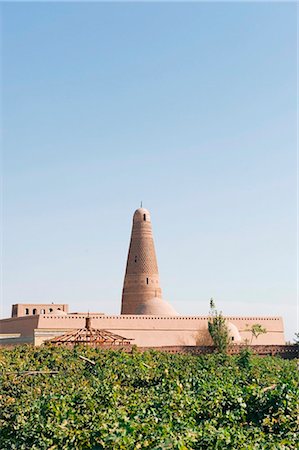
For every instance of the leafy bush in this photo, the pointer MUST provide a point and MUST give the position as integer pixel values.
(244, 358)
(148, 400)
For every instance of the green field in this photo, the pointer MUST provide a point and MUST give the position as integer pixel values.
(145, 400)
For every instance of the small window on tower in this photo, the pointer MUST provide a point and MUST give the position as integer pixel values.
(144, 217)
(27, 311)
(34, 311)
(147, 281)
(135, 259)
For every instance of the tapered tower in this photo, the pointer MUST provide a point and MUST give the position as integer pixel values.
(141, 291)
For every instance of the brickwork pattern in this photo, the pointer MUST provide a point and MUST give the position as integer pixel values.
(283, 351)
(141, 282)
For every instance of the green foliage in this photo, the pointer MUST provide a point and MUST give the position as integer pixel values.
(244, 359)
(218, 329)
(148, 400)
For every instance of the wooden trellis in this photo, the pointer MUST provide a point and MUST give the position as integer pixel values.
(91, 337)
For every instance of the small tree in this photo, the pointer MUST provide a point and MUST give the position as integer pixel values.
(256, 330)
(218, 329)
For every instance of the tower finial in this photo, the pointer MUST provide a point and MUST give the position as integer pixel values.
(141, 204)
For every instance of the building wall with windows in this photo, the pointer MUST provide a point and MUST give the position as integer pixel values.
(33, 309)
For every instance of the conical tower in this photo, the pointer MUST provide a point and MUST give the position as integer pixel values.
(141, 283)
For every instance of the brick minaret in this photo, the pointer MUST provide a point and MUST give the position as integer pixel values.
(141, 283)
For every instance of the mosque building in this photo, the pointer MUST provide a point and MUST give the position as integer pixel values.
(145, 316)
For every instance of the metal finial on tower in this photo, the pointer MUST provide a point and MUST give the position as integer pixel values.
(141, 204)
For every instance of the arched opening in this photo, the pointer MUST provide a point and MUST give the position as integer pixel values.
(144, 217)
(135, 259)
(27, 311)
(42, 311)
(50, 309)
(147, 281)
(34, 311)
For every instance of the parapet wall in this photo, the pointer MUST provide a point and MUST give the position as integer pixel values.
(151, 331)
(23, 325)
(145, 331)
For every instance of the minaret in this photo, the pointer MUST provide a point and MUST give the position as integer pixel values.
(141, 283)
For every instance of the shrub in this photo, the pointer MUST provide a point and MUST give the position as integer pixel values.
(218, 329)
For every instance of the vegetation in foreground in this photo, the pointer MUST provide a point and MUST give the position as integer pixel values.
(146, 400)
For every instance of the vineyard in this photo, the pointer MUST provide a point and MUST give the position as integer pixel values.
(50, 398)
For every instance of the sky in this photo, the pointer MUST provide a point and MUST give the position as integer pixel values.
(189, 107)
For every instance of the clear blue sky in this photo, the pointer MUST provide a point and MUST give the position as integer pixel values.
(188, 107)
